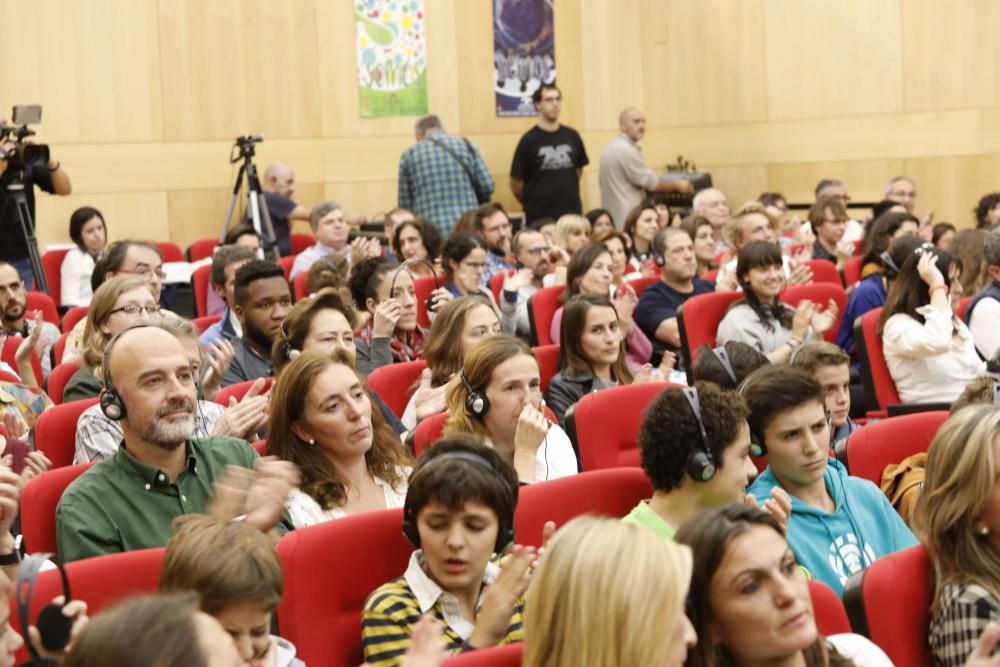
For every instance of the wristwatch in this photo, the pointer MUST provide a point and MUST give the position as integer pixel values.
(14, 557)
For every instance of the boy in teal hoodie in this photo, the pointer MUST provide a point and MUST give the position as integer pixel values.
(839, 524)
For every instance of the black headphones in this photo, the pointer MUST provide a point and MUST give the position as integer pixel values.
(53, 626)
(723, 357)
(111, 401)
(505, 532)
(476, 402)
(430, 303)
(659, 241)
(757, 445)
(700, 463)
(290, 351)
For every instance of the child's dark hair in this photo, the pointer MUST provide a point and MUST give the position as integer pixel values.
(743, 358)
(366, 278)
(773, 389)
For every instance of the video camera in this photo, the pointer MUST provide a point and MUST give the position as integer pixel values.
(23, 153)
(243, 147)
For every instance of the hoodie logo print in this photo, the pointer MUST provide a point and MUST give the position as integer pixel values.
(847, 556)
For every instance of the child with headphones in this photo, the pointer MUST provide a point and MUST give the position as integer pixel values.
(459, 512)
(839, 524)
(694, 445)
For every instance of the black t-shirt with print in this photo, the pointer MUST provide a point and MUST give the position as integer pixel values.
(547, 163)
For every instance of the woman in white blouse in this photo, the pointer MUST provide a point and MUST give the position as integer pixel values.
(90, 234)
(322, 420)
(930, 352)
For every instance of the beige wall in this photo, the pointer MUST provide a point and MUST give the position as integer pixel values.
(143, 97)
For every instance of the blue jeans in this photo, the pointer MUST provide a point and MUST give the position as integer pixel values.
(23, 267)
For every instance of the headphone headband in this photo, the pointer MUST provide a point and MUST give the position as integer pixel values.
(723, 357)
(53, 626)
(700, 464)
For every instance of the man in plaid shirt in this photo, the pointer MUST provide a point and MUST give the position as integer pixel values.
(442, 177)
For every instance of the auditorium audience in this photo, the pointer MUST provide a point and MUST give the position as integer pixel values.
(727, 365)
(128, 501)
(942, 235)
(117, 304)
(322, 421)
(17, 320)
(884, 230)
(750, 600)
(236, 573)
(968, 249)
(573, 231)
(262, 299)
(617, 244)
(245, 236)
(226, 261)
(582, 571)
(956, 517)
(983, 312)
(328, 225)
(988, 211)
(89, 232)
(458, 513)
(839, 524)
(700, 231)
(533, 255)
(831, 368)
(498, 398)
(641, 225)
(930, 352)
(492, 225)
(835, 189)
(828, 219)
(601, 222)
(711, 204)
(464, 259)
(590, 272)
(414, 240)
(457, 328)
(760, 318)
(331, 271)
(751, 222)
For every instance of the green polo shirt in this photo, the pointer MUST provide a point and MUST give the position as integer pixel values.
(643, 515)
(123, 504)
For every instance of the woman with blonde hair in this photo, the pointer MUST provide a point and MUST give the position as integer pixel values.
(117, 304)
(498, 397)
(642, 620)
(572, 232)
(322, 420)
(957, 517)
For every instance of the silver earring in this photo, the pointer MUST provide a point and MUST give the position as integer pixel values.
(311, 441)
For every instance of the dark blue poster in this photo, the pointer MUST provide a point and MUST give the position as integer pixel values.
(524, 55)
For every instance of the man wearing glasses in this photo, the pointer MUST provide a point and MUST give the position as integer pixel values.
(129, 256)
(533, 263)
(835, 189)
(17, 321)
(262, 299)
(493, 227)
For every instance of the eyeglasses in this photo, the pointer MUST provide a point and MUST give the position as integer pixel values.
(145, 273)
(134, 309)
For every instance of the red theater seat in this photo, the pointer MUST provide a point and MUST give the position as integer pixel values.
(38, 506)
(43, 302)
(874, 446)
(200, 284)
(393, 383)
(55, 431)
(52, 266)
(820, 293)
(698, 321)
(59, 378)
(542, 307)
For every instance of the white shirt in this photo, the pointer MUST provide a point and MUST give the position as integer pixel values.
(927, 361)
(304, 511)
(860, 650)
(555, 456)
(985, 327)
(313, 254)
(427, 593)
(77, 267)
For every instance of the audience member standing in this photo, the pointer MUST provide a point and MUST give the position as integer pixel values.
(625, 178)
(441, 176)
(548, 162)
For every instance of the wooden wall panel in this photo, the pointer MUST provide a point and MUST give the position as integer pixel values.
(130, 214)
(832, 59)
(614, 70)
(864, 179)
(952, 54)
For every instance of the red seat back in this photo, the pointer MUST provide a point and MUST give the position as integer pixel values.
(170, 252)
(542, 307)
(55, 431)
(286, 264)
(604, 426)
(72, 316)
(59, 348)
(393, 383)
(422, 288)
(9, 350)
(548, 363)
(963, 305)
(611, 492)
(431, 429)
(321, 610)
(698, 321)
(508, 655)
(52, 266)
(203, 323)
(820, 293)
(199, 250)
(890, 603)
(496, 284)
(824, 271)
(100, 582)
(200, 284)
(43, 302)
(301, 242)
(299, 289)
(59, 377)
(710, 275)
(828, 609)
(852, 271)
(874, 446)
(639, 285)
(237, 391)
(874, 371)
(38, 506)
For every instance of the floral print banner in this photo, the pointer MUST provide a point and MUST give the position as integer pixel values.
(392, 57)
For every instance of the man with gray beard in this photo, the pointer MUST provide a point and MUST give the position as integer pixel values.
(159, 472)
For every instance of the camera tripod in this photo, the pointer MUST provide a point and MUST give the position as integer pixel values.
(259, 215)
(16, 197)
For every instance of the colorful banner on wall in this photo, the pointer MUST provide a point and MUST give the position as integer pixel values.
(524, 55)
(392, 57)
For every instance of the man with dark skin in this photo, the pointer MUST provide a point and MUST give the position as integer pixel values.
(262, 299)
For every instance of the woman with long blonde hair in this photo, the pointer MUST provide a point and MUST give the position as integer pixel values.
(641, 620)
(957, 517)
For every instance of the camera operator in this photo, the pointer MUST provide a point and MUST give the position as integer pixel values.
(49, 177)
(279, 186)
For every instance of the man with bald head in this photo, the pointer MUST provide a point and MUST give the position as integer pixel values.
(279, 186)
(711, 204)
(159, 472)
(625, 178)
